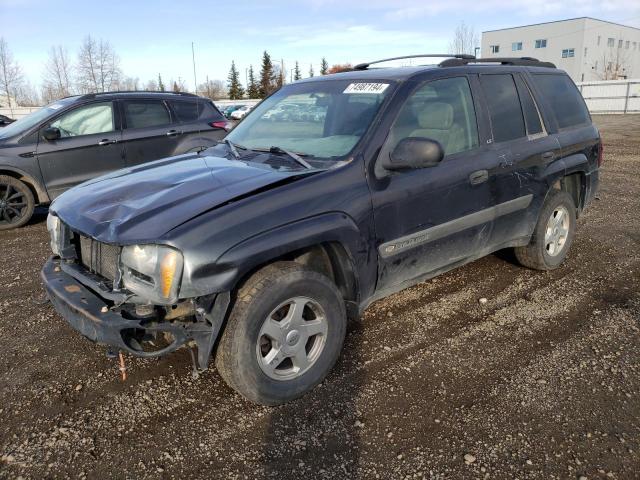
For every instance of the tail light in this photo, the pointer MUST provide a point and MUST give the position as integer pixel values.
(600, 153)
(221, 124)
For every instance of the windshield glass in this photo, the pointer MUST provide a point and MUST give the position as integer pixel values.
(320, 119)
(34, 118)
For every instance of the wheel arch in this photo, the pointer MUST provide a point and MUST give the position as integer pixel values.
(39, 192)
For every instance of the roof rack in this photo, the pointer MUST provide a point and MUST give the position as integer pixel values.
(115, 92)
(462, 56)
(517, 61)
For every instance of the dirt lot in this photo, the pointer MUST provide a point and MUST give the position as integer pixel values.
(540, 382)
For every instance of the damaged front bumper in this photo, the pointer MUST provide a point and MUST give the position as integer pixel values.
(103, 321)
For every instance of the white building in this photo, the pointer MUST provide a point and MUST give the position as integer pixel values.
(586, 48)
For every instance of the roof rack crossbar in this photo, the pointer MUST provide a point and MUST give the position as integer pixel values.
(364, 66)
(516, 61)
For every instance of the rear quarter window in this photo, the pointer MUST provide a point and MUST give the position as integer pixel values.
(563, 98)
(193, 111)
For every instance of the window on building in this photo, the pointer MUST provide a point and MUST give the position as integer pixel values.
(585, 51)
(507, 122)
(568, 52)
(495, 48)
(611, 42)
(563, 98)
(598, 40)
(627, 45)
(515, 46)
(635, 45)
(541, 43)
(619, 43)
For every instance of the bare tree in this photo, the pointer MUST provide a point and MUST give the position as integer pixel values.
(11, 78)
(98, 66)
(614, 65)
(465, 39)
(213, 89)
(129, 83)
(27, 96)
(57, 74)
(151, 86)
(177, 85)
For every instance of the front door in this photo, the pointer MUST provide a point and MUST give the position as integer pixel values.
(89, 146)
(431, 218)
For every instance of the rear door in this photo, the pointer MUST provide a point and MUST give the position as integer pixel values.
(150, 132)
(200, 122)
(89, 146)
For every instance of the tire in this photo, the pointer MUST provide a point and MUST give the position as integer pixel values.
(543, 251)
(16, 203)
(243, 354)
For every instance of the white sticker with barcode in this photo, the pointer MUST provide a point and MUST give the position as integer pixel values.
(366, 88)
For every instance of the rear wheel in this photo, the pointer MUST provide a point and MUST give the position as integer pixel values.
(553, 234)
(284, 334)
(16, 203)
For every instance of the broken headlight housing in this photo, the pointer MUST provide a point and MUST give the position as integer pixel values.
(152, 272)
(54, 226)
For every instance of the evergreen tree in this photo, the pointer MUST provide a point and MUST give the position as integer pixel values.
(296, 72)
(310, 70)
(236, 91)
(160, 84)
(176, 88)
(324, 66)
(267, 76)
(253, 89)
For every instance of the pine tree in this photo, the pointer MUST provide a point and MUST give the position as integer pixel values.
(160, 84)
(310, 70)
(176, 88)
(236, 91)
(267, 80)
(324, 66)
(296, 72)
(253, 89)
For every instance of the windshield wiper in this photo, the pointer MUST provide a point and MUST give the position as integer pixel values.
(281, 151)
(232, 147)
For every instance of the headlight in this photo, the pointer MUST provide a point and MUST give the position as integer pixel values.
(55, 233)
(152, 271)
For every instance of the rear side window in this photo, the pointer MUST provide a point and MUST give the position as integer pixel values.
(500, 92)
(193, 111)
(145, 113)
(563, 98)
(531, 115)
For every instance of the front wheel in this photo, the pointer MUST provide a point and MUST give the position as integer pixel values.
(16, 203)
(552, 235)
(284, 334)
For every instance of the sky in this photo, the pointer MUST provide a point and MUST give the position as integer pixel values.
(155, 37)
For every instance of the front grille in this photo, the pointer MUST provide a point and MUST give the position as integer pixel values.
(99, 258)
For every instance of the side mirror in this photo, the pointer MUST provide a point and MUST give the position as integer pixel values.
(414, 152)
(51, 133)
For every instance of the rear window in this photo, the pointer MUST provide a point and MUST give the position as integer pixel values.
(563, 98)
(504, 107)
(193, 111)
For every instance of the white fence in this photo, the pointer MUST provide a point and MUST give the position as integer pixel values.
(611, 96)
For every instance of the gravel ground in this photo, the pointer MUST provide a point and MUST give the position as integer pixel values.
(541, 381)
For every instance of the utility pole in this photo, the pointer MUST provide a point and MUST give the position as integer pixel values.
(193, 57)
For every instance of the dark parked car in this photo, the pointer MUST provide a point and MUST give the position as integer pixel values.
(4, 121)
(81, 137)
(257, 250)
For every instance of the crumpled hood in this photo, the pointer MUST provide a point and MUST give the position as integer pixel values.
(138, 205)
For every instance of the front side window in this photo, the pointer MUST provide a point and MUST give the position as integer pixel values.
(541, 43)
(563, 98)
(515, 46)
(321, 119)
(441, 110)
(505, 112)
(145, 113)
(87, 120)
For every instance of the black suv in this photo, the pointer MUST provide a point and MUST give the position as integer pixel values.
(81, 137)
(259, 249)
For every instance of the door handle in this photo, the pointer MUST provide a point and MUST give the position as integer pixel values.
(106, 141)
(172, 133)
(479, 176)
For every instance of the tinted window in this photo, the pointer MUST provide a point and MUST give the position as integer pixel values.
(504, 107)
(192, 111)
(531, 115)
(87, 120)
(563, 98)
(145, 113)
(441, 110)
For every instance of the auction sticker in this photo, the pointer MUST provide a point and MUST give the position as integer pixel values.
(366, 88)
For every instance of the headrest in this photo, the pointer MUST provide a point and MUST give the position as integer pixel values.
(435, 115)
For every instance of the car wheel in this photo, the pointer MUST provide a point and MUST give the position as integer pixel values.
(553, 233)
(16, 203)
(284, 334)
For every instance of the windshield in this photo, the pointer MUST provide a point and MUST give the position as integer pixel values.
(320, 119)
(34, 118)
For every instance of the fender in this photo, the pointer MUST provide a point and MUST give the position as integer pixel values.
(246, 256)
(41, 193)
